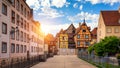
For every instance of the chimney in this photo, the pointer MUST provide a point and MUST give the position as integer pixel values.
(79, 24)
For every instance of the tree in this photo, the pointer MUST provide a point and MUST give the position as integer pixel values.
(109, 45)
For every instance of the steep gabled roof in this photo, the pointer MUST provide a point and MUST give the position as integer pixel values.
(71, 26)
(111, 18)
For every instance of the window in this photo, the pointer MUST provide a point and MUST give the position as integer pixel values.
(24, 37)
(87, 43)
(21, 36)
(12, 48)
(28, 14)
(63, 38)
(12, 33)
(13, 17)
(78, 36)
(21, 22)
(17, 48)
(4, 47)
(109, 30)
(73, 31)
(83, 30)
(17, 5)
(4, 28)
(24, 48)
(78, 43)
(25, 12)
(116, 30)
(13, 2)
(27, 37)
(31, 48)
(21, 9)
(4, 9)
(18, 20)
(17, 35)
(21, 48)
(25, 25)
(86, 36)
(28, 26)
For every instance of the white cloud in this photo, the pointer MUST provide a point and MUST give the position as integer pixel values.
(67, 4)
(91, 18)
(45, 3)
(50, 13)
(81, 7)
(75, 5)
(44, 7)
(58, 3)
(111, 2)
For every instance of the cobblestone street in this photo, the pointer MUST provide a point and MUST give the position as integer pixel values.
(64, 61)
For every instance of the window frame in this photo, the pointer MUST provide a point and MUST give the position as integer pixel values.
(86, 36)
(17, 48)
(116, 29)
(4, 9)
(12, 48)
(78, 36)
(4, 25)
(12, 16)
(4, 48)
(109, 30)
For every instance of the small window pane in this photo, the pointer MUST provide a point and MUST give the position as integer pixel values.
(4, 47)
(4, 28)
(4, 9)
(12, 48)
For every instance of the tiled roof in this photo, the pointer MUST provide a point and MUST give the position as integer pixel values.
(111, 18)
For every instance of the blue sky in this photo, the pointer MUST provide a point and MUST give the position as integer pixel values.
(56, 14)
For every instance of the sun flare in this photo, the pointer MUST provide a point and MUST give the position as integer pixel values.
(45, 29)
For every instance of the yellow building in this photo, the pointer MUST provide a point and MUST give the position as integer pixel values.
(63, 40)
(109, 24)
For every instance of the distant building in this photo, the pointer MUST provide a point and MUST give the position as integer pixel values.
(94, 36)
(66, 41)
(70, 31)
(109, 24)
(82, 37)
(63, 45)
(63, 39)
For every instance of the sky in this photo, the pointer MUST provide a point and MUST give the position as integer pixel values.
(59, 14)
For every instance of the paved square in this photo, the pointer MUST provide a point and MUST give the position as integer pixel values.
(64, 61)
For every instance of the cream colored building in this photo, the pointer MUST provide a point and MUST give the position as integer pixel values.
(25, 42)
(109, 24)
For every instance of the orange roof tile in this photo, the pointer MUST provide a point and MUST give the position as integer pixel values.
(111, 18)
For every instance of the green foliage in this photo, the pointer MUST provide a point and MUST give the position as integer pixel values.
(118, 56)
(90, 49)
(107, 45)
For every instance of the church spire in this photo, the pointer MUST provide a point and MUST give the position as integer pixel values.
(84, 20)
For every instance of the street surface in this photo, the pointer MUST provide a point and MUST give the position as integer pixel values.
(64, 61)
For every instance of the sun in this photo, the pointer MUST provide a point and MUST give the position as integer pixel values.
(45, 29)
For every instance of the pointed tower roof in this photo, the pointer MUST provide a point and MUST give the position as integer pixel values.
(84, 23)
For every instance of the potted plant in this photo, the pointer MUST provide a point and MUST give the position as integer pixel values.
(118, 58)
